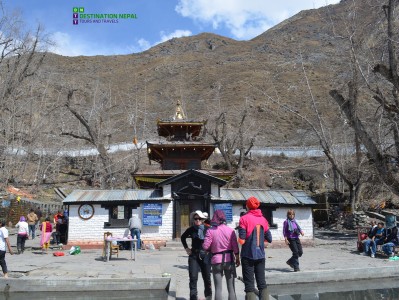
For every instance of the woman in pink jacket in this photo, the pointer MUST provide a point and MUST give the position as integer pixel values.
(221, 241)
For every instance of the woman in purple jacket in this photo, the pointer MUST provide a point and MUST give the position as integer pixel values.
(291, 232)
(221, 241)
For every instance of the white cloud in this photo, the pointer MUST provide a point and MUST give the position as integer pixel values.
(245, 19)
(65, 45)
(175, 34)
(143, 44)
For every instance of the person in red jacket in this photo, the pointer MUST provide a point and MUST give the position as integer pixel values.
(252, 233)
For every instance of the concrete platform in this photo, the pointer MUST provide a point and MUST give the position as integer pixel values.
(334, 259)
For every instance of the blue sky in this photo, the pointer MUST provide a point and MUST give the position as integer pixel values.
(157, 21)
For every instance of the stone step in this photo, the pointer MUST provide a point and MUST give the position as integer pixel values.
(174, 245)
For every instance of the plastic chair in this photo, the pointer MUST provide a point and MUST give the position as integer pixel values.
(114, 248)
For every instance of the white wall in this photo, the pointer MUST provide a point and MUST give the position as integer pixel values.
(167, 191)
(237, 209)
(163, 232)
(304, 217)
(92, 230)
(89, 230)
(215, 191)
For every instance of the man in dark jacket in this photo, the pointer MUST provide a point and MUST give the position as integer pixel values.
(391, 242)
(253, 231)
(370, 237)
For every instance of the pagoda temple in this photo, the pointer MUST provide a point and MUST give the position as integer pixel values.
(181, 148)
(164, 198)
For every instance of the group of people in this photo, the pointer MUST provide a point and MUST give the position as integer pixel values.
(379, 235)
(215, 249)
(27, 229)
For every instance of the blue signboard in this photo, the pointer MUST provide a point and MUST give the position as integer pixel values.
(152, 214)
(227, 209)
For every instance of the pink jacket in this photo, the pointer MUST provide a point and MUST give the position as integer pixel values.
(218, 239)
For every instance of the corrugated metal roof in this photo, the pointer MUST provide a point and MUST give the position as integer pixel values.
(231, 195)
(114, 195)
(267, 196)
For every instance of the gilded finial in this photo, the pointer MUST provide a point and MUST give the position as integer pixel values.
(179, 115)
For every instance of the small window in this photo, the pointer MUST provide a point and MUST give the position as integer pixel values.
(119, 215)
(267, 212)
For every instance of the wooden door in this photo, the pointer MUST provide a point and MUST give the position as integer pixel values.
(183, 210)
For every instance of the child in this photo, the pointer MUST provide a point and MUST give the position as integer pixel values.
(291, 231)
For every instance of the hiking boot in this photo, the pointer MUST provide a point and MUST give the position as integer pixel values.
(290, 264)
(264, 294)
(250, 296)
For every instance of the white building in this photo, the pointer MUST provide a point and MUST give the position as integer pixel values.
(165, 210)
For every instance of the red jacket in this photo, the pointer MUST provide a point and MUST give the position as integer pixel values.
(252, 240)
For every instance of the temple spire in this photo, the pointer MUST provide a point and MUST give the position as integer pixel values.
(179, 114)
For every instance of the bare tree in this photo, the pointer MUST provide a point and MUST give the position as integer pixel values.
(232, 139)
(97, 124)
(21, 55)
(381, 137)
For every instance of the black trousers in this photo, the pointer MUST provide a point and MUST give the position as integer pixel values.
(21, 242)
(3, 261)
(296, 248)
(195, 264)
(250, 269)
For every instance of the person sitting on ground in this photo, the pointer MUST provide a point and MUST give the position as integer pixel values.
(390, 242)
(378, 238)
(23, 234)
(370, 238)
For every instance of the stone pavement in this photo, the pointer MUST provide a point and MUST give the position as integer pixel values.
(334, 258)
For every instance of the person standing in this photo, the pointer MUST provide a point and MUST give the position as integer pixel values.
(197, 258)
(32, 219)
(252, 232)
(291, 232)
(46, 229)
(23, 234)
(39, 213)
(135, 229)
(221, 241)
(3, 242)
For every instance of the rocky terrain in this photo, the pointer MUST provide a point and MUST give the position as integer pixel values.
(211, 74)
(293, 65)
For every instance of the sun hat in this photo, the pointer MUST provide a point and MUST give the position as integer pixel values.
(200, 214)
